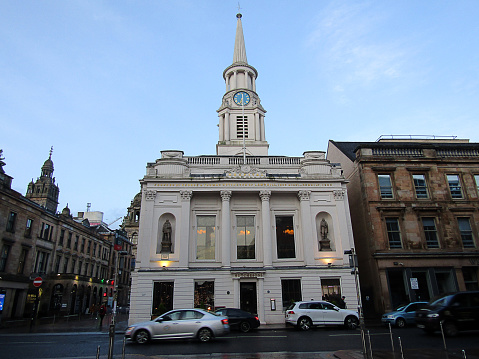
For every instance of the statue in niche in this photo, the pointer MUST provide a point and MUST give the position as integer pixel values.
(166, 239)
(324, 242)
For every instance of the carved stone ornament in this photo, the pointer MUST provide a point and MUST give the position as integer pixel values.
(225, 195)
(339, 195)
(171, 154)
(265, 195)
(245, 171)
(150, 195)
(304, 195)
(186, 195)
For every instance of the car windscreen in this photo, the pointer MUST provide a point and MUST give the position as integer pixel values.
(441, 302)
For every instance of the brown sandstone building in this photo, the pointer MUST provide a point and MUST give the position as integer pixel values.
(75, 258)
(415, 215)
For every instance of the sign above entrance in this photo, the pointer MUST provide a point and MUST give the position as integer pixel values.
(248, 274)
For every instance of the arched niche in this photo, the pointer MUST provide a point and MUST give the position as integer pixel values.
(325, 232)
(165, 244)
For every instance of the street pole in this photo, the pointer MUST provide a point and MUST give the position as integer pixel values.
(111, 330)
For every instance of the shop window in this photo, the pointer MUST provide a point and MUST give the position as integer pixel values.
(331, 290)
(162, 297)
(205, 237)
(470, 278)
(205, 294)
(290, 291)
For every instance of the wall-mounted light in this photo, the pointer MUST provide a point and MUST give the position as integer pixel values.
(273, 303)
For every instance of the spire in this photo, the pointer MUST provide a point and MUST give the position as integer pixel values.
(239, 55)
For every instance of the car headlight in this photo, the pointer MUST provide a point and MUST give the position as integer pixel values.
(434, 315)
(128, 330)
(390, 317)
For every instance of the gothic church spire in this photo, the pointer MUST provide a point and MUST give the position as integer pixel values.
(239, 55)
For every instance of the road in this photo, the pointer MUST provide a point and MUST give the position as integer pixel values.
(84, 345)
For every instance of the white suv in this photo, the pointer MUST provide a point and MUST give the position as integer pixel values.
(305, 315)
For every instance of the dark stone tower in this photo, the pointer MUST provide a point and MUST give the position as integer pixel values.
(44, 191)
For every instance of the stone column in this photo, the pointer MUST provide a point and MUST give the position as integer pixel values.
(267, 241)
(222, 128)
(227, 126)
(263, 137)
(226, 230)
(236, 79)
(183, 239)
(257, 132)
(227, 83)
(261, 306)
(308, 247)
(254, 82)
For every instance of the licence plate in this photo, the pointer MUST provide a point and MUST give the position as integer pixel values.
(422, 326)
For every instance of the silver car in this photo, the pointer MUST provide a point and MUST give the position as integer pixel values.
(180, 324)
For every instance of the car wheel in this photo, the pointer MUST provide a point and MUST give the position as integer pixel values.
(304, 323)
(450, 329)
(205, 335)
(400, 322)
(245, 327)
(142, 336)
(351, 322)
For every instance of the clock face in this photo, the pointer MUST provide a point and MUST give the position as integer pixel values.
(241, 98)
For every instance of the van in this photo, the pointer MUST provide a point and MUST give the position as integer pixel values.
(457, 312)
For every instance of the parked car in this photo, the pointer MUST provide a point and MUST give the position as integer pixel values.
(305, 315)
(404, 315)
(180, 324)
(240, 319)
(457, 311)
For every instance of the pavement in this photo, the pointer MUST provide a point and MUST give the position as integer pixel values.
(89, 324)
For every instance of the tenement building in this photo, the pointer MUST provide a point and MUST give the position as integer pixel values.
(75, 260)
(415, 217)
(241, 228)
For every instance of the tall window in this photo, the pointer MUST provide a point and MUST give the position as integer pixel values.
(162, 297)
(46, 231)
(57, 264)
(285, 237)
(454, 186)
(88, 247)
(41, 262)
(80, 266)
(69, 241)
(11, 222)
(205, 237)
(75, 245)
(476, 177)
(466, 232)
(385, 186)
(430, 232)
(394, 233)
(4, 257)
(245, 237)
(74, 263)
(28, 228)
(241, 126)
(62, 237)
(65, 265)
(21, 261)
(420, 186)
(290, 291)
(205, 294)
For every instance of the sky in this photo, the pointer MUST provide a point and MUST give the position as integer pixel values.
(110, 84)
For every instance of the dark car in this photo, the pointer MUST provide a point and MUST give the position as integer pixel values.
(457, 311)
(240, 319)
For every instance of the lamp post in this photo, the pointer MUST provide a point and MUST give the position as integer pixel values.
(353, 263)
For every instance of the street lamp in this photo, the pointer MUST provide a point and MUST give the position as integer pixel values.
(353, 263)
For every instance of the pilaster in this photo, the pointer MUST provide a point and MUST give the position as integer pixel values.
(266, 219)
(226, 229)
(184, 237)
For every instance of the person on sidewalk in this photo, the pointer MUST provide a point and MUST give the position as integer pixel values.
(102, 312)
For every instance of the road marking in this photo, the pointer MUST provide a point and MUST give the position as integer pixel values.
(256, 336)
(31, 342)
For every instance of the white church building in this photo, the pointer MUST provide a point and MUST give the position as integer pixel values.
(241, 228)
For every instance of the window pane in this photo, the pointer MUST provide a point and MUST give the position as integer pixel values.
(162, 297)
(291, 291)
(420, 186)
(205, 243)
(454, 186)
(385, 187)
(430, 232)
(466, 232)
(476, 177)
(4, 257)
(245, 236)
(11, 222)
(205, 294)
(394, 234)
(285, 237)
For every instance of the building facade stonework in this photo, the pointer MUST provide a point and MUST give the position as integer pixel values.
(414, 208)
(245, 226)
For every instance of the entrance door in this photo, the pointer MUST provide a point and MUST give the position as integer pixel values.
(248, 297)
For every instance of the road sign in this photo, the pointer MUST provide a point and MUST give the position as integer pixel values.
(37, 281)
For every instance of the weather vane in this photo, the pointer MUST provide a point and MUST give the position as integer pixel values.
(51, 151)
(239, 7)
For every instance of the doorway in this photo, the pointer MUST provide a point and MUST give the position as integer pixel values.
(248, 299)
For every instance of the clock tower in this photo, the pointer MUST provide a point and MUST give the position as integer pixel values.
(241, 116)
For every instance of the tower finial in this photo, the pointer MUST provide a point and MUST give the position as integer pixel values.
(51, 151)
(238, 15)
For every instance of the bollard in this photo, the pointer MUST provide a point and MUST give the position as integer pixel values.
(400, 346)
(123, 350)
(391, 335)
(98, 352)
(444, 340)
(370, 346)
(464, 354)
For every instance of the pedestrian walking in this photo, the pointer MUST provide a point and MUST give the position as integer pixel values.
(102, 312)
